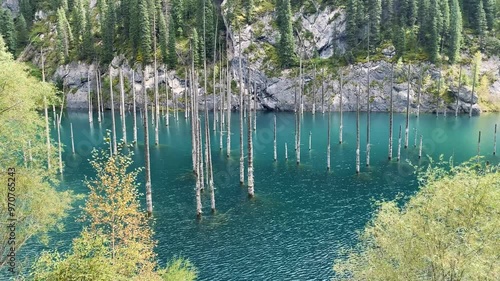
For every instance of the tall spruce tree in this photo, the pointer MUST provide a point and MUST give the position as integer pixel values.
(21, 31)
(351, 23)
(63, 36)
(78, 20)
(162, 32)
(7, 29)
(434, 31)
(481, 23)
(109, 33)
(144, 42)
(26, 9)
(490, 11)
(171, 53)
(455, 31)
(197, 50)
(88, 50)
(177, 15)
(375, 14)
(286, 53)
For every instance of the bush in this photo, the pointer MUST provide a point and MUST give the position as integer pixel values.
(447, 231)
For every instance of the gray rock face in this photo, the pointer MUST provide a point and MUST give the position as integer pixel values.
(12, 5)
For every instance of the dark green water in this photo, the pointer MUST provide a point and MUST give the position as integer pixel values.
(301, 215)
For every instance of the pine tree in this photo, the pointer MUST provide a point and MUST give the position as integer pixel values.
(125, 16)
(195, 44)
(7, 29)
(351, 24)
(286, 53)
(78, 16)
(171, 53)
(88, 38)
(62, 36)
(249, 6)
(177, 12)
(21, 31)
(489, 10)
(445, 19)
(375, 13)
(399, 40)
(134, 29)
(455, 31)
(27, 11)
(109, 33)
(162, 29)
(481, 23)
(145, 32)
(102, 8)
(434, 31)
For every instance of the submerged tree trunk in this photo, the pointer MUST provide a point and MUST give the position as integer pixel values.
(167, 115)
(134, 109)
(495, 141)
(420, 148)
(122, 106)
(459, 86)
(328, 140)
(472, 92)
(250, 143)
(357, 133)
(59, 143)
(314, 91)
(275, 151)
(228, 88)
(479, 145)
(419, 92)
(399, 144)
(72, 138)
(149, 200)
(368, 120)
(157, 105)
(322, 91)
(47, 131)
(115, 148)
(391, 113)
(341, 108)
(89, 97)
(242, 165)
(98, 91)
(407, 109)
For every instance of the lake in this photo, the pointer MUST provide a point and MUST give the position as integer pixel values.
(301, 215)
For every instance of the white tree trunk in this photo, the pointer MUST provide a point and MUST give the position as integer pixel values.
(59, 143)
(357, 134)
(408, 109)
(115, 147)
(341, 108)
(72, 138)
(149, 199)
(275, 152)
(399, 144)
(122, 106)
(47, 131)
(420, 148)
(391, 113)
(134, 109)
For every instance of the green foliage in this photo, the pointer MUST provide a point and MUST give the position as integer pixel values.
(88, 50)
(447, 231)
(284, 20)
(162, 36)
(171, 52)
(43, 207)
(21, 31)
(108, 33)
(118, 243)
(7, 29)
(455, 31)
(64, 36)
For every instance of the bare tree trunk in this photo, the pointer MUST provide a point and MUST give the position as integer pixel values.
(286, 151)
(368, 118)
(59, 143)
(157, 106)
(438, 95)
(322, 90)
(479, 146)
(115, 147)
(328, 140)
(242, 165)
(495, 141)
(341, 107)
(228, 88)
(215, 59)
(472, 92)
(420, 148)
(299, 117)
(122, 106)
(459, 86)
(399, 144)
(275, 151)
(357, 133)
(47, 130)
(391, 113)
(221, 109)
(407, 109)
(415, 141)
(72, 138)
(314, 91)
(419, 92)
(89, 97)
(135, 108)
(54, 115)
(255, 107)
(98, 91)
(310, 140)
(251, 191)
(149, 200)
(167, 115)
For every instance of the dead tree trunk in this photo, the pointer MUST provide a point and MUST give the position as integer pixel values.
(134, 109)
(251, 191)
(89, 97)
(72, 138)
(368, 119)
(275, 151)
(328, 140)
(391, 113)
(472, 92)
(420, 148)
(399, 144)
(357, 134)
(495, 141)
(122, 106)
(59, 143)
(149, 200)
(407, 109)
(98, 91)
(459, 86)
(341, 107)
(47, 131)
(115, 147)
(242, 165)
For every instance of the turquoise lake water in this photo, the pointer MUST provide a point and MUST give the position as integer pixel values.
(301, 215)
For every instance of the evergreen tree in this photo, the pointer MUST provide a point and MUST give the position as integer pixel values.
(434, 31)
(455, 31)
(206, 21)
(481, 23)
(171, 53)
(197, 50)
(445, 19)
(125, 16)
(286, 53)
(78, 17)
(63, 39)
(413, 12)
(375, 13)
(399, 40)
(27, 11)
(144, 43)
(162, 30)
(102, 8)
(177, 12)
(489, 10)
(21, 31)
(7, 29)
(88, 39)
(134, 29)
(109, 33)
(351, 24)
